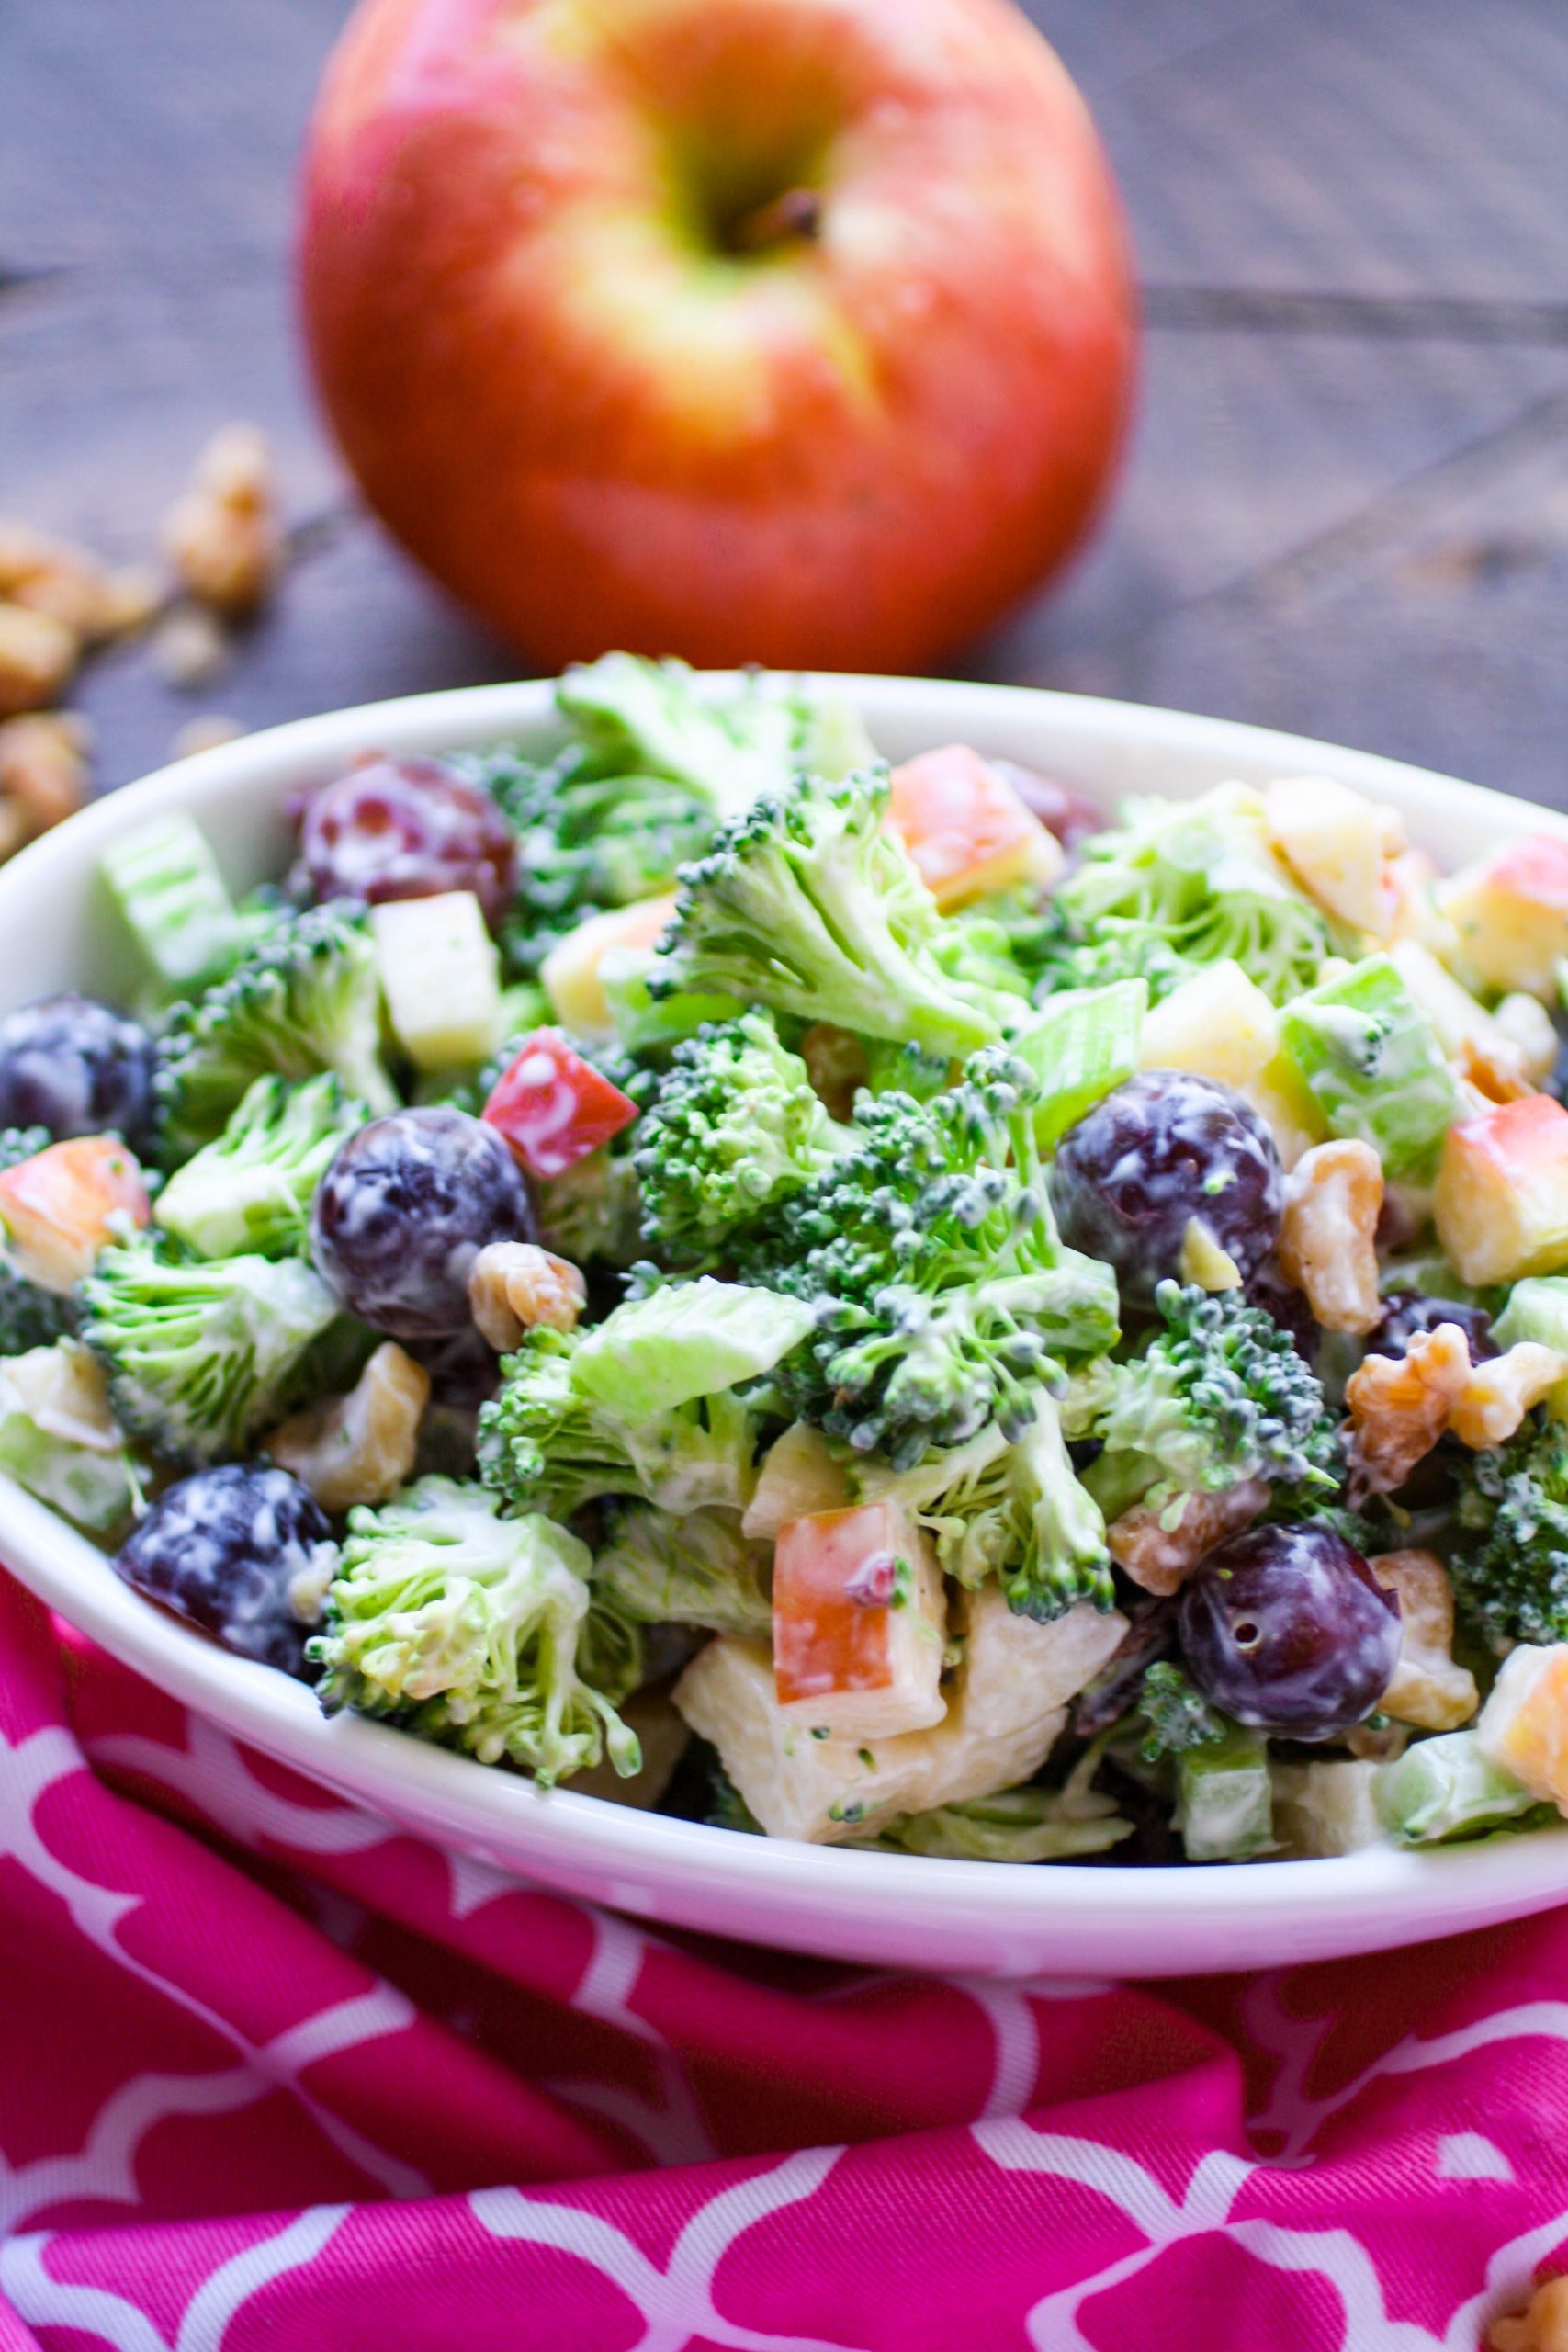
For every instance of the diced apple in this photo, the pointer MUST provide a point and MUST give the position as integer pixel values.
(1337, 844)
(859, 1622)
(553, 1107)
(440, 977)
(966, 829)
(799, 1474)
(1523, 1728)
(572, 974)
(1328, 1807)
(1220, 1024)
(1008, 1708)
(68, 1202)
(1501, 1200)
(1511, 914)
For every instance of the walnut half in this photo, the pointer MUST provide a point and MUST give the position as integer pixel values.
(513, 1285)
(1328, 1233)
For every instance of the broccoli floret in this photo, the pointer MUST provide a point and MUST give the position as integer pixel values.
(1013, 1509)
(1220, 1395)
(698, 1569)
(252, 1188)
(306, 998)
(734, 1128)
(1181, 886)
(59, 1438)
(807, 904)
(200, 1359)
(30, 1317)
(475, 1632)
(652, 770)
(545, 1444)
(1510, 1564)
(593, 1209)
(943, 1293)
(1176, 1714)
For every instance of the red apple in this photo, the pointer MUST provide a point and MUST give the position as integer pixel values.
(790, 331)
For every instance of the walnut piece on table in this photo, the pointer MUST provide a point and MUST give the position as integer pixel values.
(1541, 2326)
(224, 537)
(43, 774)
(38, 659)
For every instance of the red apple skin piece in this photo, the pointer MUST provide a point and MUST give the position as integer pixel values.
(552, 1107)
(56, 1207)
(1500, 1203)
(854, 447)
(849, 1652)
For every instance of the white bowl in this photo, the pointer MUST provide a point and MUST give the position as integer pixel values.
(889, 1910)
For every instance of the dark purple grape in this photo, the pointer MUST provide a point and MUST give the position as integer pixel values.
(77, 1068)
(1406, 1312)
(404, 1210)
(237, 1550)
(1163, 1149)
(405, 829)
(1288, 1629)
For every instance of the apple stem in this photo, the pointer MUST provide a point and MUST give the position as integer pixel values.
(796, 213)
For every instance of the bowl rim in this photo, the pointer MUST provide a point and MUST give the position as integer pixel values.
(379, 1765)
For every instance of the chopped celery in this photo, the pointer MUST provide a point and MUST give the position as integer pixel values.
(165, 882)
(1538, 1309)
(1083, 1043)
(686, 1340)
(1371, 1056)
(1446, 1788)
(1224, 1800)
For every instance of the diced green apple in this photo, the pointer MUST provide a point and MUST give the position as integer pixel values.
(1501, 1199)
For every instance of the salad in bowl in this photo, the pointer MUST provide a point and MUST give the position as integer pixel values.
(881, 1308)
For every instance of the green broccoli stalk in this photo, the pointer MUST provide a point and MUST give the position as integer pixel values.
(1510, 1564)
(698, 1569)
(200, 1359)
(473, 1631)
(652, 769)
(545, 1444)
(252, 1188)
(807, 904)
(1180, 886)
(943, 1291)
(306, 998)
(30, 1317)
(1176, 1714)
(1219, 1396)
(735, 1127)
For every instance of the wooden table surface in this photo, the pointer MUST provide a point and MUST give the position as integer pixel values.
(1346, 504)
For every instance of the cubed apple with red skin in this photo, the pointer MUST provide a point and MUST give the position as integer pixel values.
(1501, 1200)
(859, 1622)
(66, 1203)
(572, 974)
(553, 1107)
(966, 829)
(1511, 914)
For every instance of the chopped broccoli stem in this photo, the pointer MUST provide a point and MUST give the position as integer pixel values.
(252, 1188)
(807, 905)
(306, 998)
(478, 1632)
(200, 1359)
(1027, 1825)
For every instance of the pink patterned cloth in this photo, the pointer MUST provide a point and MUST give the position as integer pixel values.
(276, 2078)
